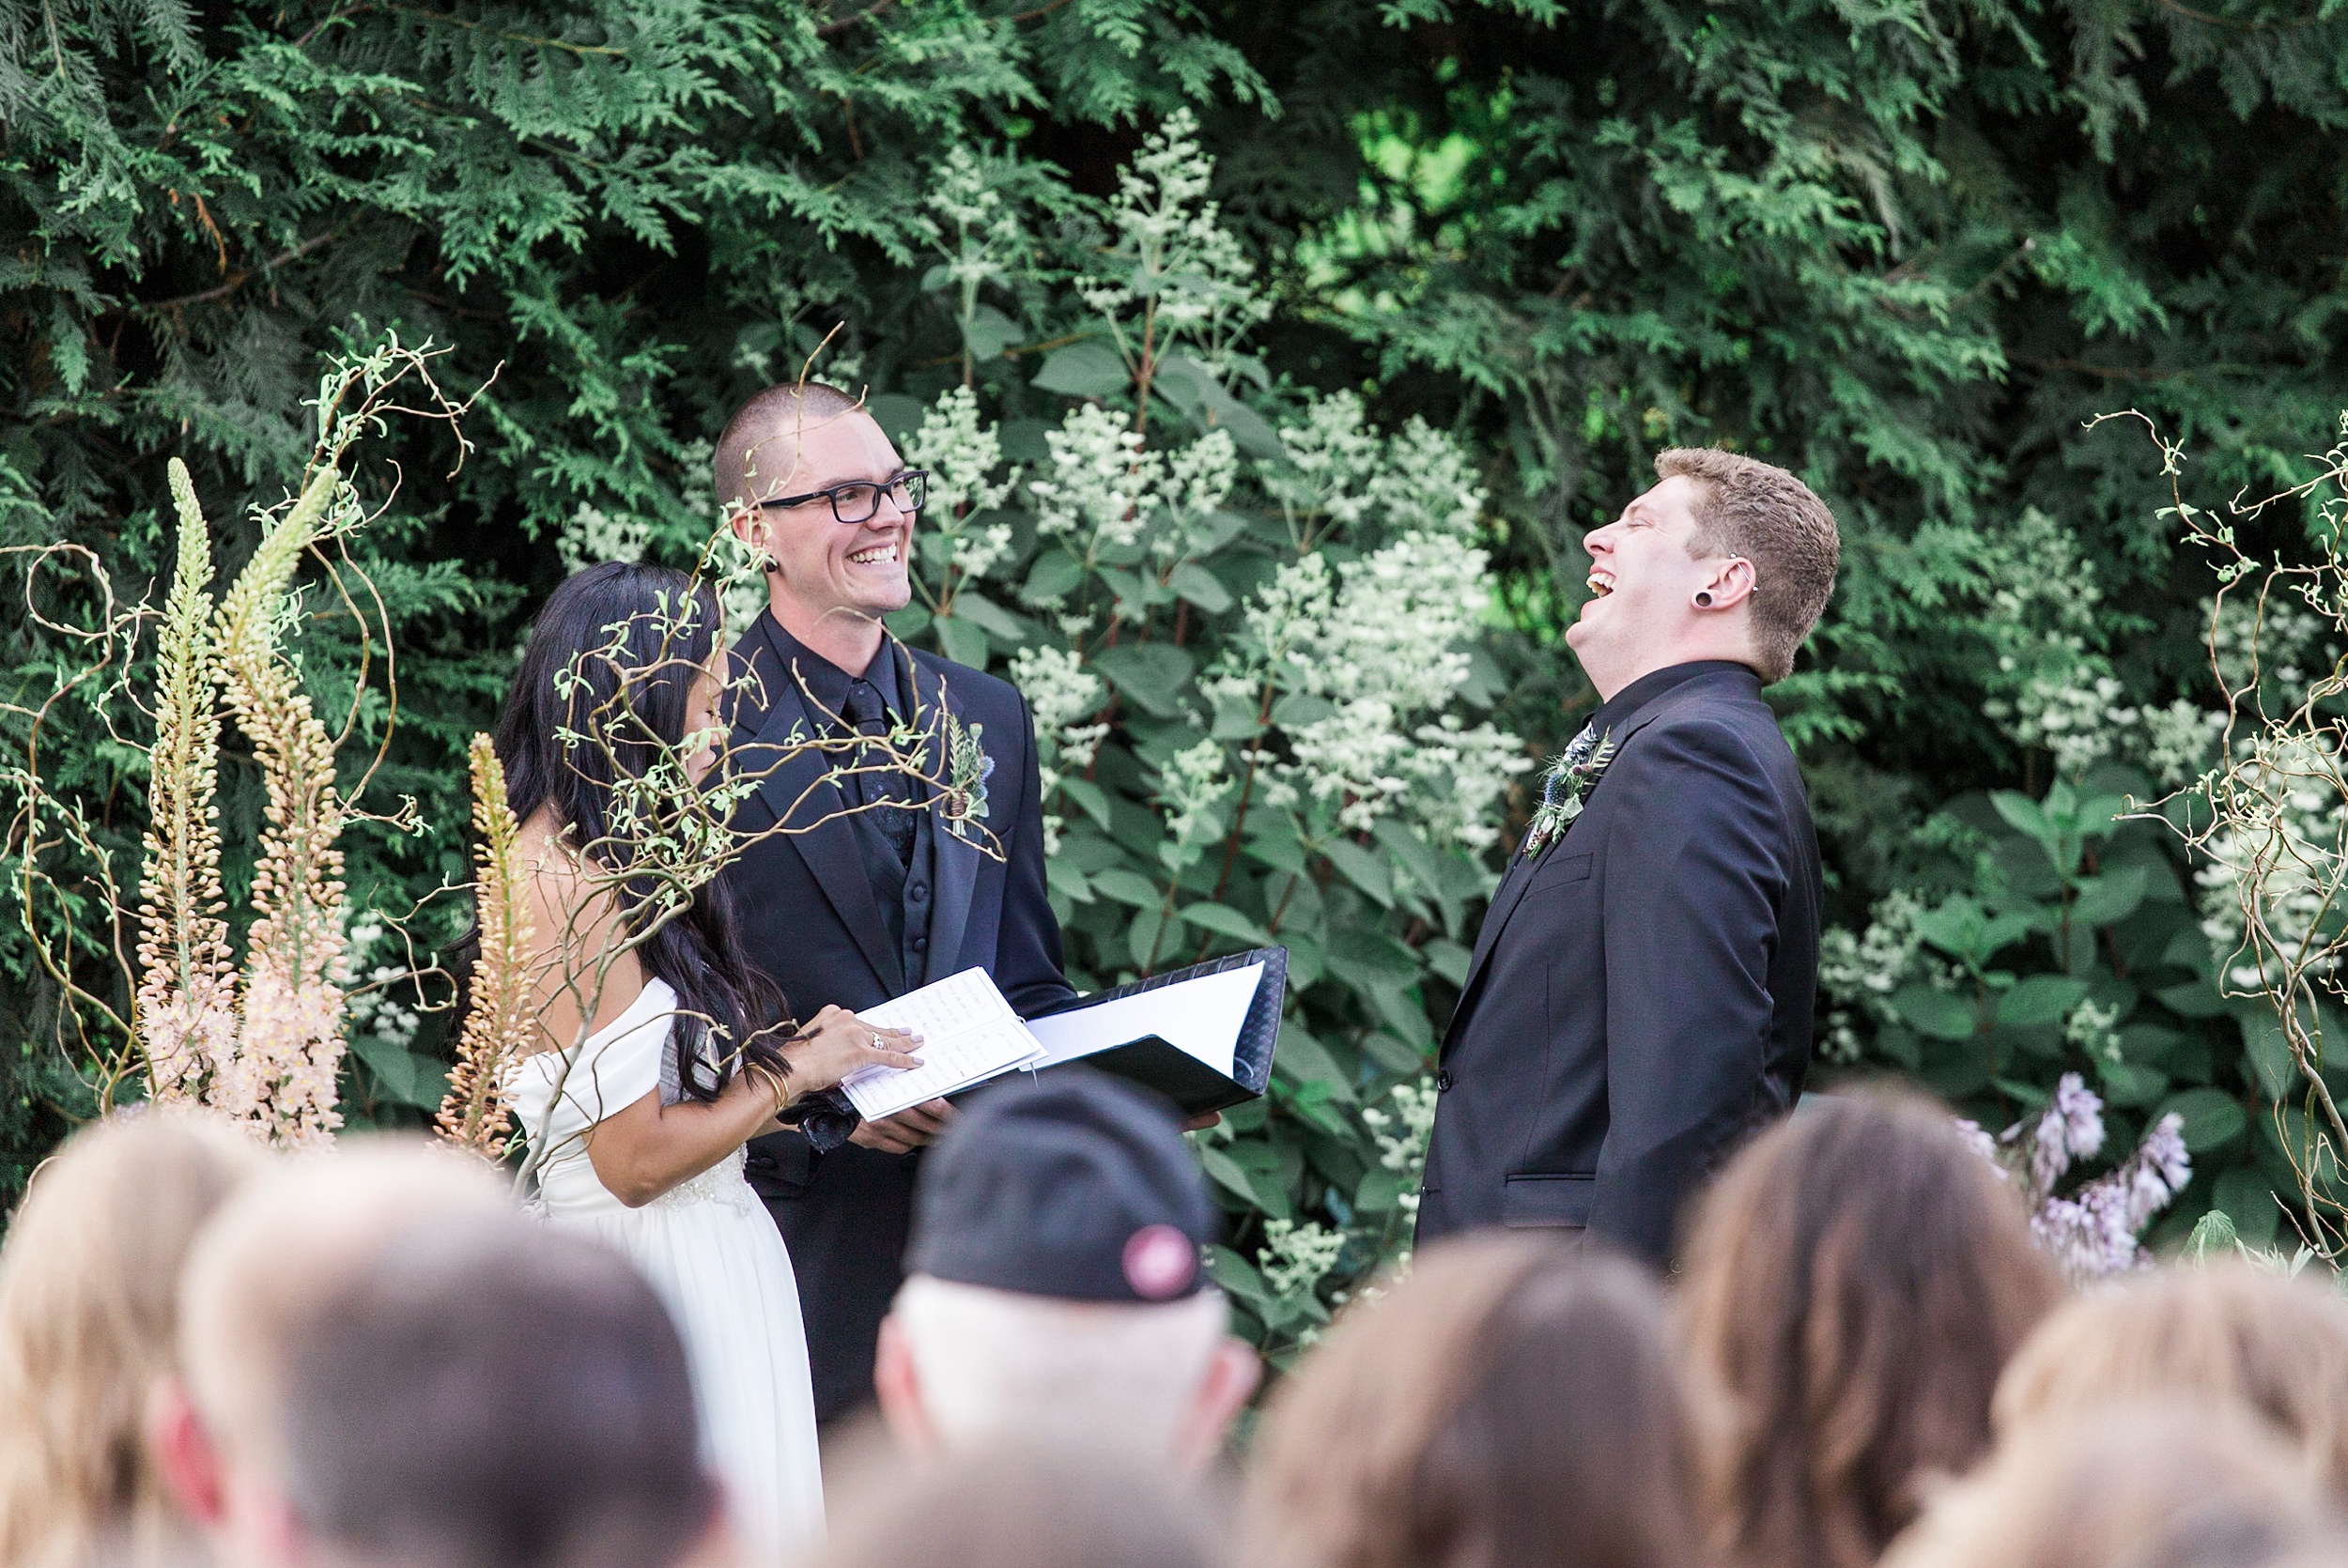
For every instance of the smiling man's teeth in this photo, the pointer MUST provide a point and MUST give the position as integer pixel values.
(1600, 584)
(874, 556)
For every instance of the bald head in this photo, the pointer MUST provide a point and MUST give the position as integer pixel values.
(758, 456)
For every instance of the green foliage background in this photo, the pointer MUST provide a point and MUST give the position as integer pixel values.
(1904, 249)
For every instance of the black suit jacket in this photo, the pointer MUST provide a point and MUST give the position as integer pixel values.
(811, 921)
(1641, 992)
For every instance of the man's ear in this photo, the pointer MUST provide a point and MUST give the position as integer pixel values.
(1232, 1378)
(1726, 585)
(897, 1382)
(184, 1452)
(750, 526)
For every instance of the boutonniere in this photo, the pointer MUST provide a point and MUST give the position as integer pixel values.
(1563, 787)
(968, 769)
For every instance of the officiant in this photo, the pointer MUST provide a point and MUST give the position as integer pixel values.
(880, 883)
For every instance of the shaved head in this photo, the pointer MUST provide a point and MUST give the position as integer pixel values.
(759, 450)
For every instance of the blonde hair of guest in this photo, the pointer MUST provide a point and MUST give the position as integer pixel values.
(2139, 1481)
(89, 1314)
(2276, 1346)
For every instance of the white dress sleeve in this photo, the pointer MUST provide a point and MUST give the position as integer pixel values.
(613, 1068)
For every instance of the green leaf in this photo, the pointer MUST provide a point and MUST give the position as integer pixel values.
(1143, 938)
(1128, 888)
(1303, 1059)
(1064, 877)
(1448, 960)
(983, 612)
(1153, 674)
(1201, 587)
(989, 332)
(962, 641)
(1937, 1013)
(2109, 899)
(1055, 576)
(2040, 1000)
(1193, 388)
(1089, 797)
(2211, 1117)
(2023, 815)
(1086, 369)
(1362, 868)
(1225, 921)
(2193, 999)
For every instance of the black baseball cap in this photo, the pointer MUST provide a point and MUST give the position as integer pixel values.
(1069, 1184)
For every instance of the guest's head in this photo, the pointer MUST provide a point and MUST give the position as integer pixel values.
(2167, 1483)
(89, 1312)
(490, 1393)
(257, 1280)
(1726, 558)
(837, 562)
(1510, 1403)
(1024, 1504)
(631, 658)
(1857, 1279)
(2276, 1346)
(1055, 1287)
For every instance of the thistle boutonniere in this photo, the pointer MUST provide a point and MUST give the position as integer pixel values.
(1564, 787)
(968, 769)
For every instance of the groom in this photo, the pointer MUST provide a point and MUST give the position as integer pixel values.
(1640, 996)
(874, 888)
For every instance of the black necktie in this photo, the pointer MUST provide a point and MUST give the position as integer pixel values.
(879, 785)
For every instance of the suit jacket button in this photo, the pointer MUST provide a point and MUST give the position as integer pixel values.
(921, 943)
(1443, 1083)
(918, 892)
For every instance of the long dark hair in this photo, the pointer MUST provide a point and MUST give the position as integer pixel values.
(612, 659)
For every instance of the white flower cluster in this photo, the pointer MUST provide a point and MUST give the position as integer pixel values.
(2281, 855)
(1402, 1134)
(1859, 973)
(1104, 480)
(1199, 479)
(378, 1012)
(592, 535)
(2058, 692)
(1191, 785)
(2093, 1233)
(1059, 691)
(961, 451)
(1170, 238)
(1379, 636)
(1296, 1259)
(2093, 1029)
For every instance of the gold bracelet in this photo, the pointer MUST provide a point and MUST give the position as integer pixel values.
(775, 1084)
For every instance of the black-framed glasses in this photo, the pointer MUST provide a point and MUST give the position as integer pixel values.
(859, 499)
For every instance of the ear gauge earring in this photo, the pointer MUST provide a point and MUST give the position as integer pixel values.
(1704, 601)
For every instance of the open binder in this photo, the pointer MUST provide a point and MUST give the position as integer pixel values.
(1202, 1037)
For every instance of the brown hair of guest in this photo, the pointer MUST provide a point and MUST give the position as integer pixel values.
(1508, 1405)
(89, 1312)
(2276, 1346)
(2145, 1484)
(1857, 1279)
(1750, 509)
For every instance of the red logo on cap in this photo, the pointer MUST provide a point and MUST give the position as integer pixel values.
(1160, 1262)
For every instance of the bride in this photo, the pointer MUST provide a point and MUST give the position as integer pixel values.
(639, 1127)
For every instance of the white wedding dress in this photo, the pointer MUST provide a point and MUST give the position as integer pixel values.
(716, 1259)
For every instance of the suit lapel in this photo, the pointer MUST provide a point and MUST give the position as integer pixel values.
(1512, 887)
(954, 860)
(798, 788)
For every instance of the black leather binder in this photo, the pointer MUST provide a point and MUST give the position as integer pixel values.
(1174, 1072)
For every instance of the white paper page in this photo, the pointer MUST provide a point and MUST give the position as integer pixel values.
(1202, 1017)
(968, 1032)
